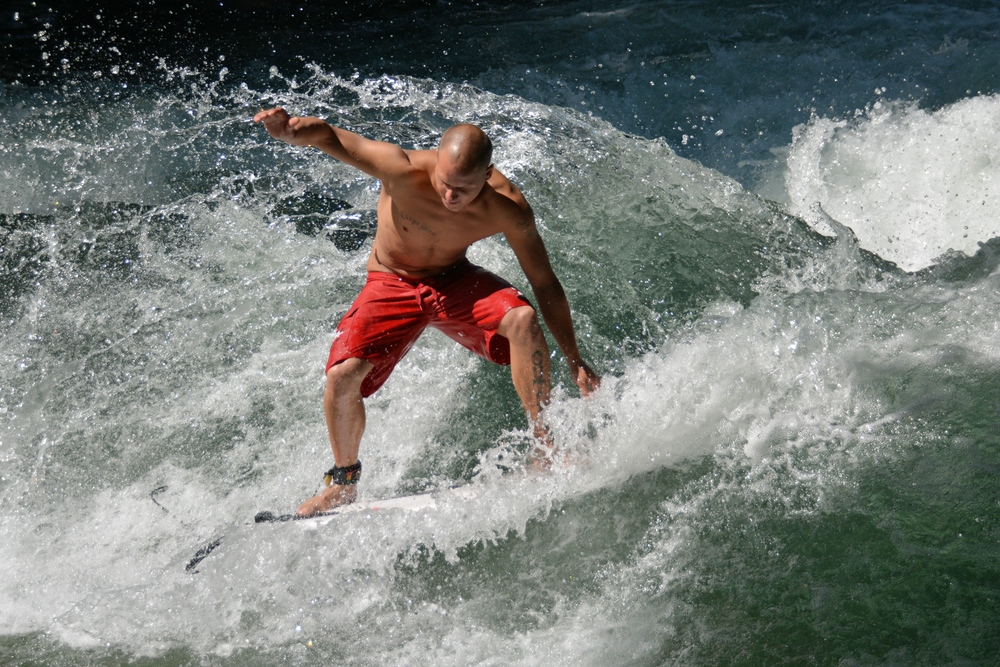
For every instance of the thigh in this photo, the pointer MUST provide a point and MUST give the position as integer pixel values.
(380, 327)
(471, 308)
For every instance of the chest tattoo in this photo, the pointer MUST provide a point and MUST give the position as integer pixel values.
(416, 223)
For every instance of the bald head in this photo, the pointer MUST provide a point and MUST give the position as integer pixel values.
(467, 148)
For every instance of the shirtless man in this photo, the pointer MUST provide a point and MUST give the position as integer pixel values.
(433, 205)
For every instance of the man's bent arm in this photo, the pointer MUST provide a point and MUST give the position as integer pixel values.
(554, 306)
(551, 297)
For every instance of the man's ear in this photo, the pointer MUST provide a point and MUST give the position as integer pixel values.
(489, 172)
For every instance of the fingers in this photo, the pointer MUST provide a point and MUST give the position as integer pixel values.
(587, 380)
(261, 115)
(278, 123)
(270, 115)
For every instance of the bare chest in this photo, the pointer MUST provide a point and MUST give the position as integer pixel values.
(416, 237)
(419, 223)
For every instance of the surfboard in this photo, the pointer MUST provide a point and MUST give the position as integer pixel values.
(413, 503)
(421, 501)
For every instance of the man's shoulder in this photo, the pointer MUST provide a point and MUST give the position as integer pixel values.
(503, 186)
(409, 173)
(421, 159)
(508, 197)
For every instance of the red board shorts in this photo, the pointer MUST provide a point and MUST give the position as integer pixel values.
(466, 303)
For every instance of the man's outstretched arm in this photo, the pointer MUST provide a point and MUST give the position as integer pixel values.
(375, 158)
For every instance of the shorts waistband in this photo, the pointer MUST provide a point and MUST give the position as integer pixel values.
(387, 276)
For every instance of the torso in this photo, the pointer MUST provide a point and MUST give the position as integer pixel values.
(417, 236)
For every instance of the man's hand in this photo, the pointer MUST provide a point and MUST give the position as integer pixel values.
(292, 130)
(586, 379)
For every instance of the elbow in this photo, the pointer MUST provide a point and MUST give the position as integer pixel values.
(548, 291)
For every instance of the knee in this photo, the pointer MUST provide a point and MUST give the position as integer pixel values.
(520, 325)
(346, 376)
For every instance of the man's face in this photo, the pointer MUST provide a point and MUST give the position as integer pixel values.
(457, 188)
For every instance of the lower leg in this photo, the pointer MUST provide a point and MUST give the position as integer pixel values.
(345, 422)
(344, 408)
(529, 363)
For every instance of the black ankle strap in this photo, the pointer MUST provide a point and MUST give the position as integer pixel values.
(343, 476)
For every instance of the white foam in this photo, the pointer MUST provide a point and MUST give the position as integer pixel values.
(912, 183)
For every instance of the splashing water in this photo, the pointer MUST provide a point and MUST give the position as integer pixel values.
(795, 441)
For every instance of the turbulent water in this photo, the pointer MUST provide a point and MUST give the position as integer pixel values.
(778, 229)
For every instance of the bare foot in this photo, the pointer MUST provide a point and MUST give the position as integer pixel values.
(543, 455)
(543, 452)
(540, 461)
(332, 496)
